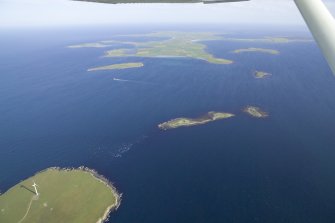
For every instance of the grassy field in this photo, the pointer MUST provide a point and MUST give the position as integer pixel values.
(184, 122)
(120, 66)
(64, 196)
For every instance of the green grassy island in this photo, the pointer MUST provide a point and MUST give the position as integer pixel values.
(261, 74)
(120, 66)
(178, 44)
(255, 112)
(64, 195)
(172, 44)
(261, 50)
(184, 122)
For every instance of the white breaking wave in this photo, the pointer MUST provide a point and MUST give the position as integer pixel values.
(116, 79)
(118, 150)
(122, 149)
(137, 82)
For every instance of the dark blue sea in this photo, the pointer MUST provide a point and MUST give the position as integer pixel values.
(241, 170)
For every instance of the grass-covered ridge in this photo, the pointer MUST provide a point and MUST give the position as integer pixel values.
(65, 195)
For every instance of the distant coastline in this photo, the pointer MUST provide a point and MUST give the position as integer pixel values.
(260, 50)
(174, 44)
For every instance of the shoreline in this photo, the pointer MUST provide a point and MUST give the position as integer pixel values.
(105, 181)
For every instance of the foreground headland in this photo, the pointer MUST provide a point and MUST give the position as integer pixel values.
(63, 195)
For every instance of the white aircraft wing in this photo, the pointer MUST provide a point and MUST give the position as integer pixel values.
(161, 1)
(319, 20)
(322, 25)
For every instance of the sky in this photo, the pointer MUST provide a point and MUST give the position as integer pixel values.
(49, 13)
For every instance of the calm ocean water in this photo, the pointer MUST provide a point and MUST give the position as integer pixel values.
(280, 169)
